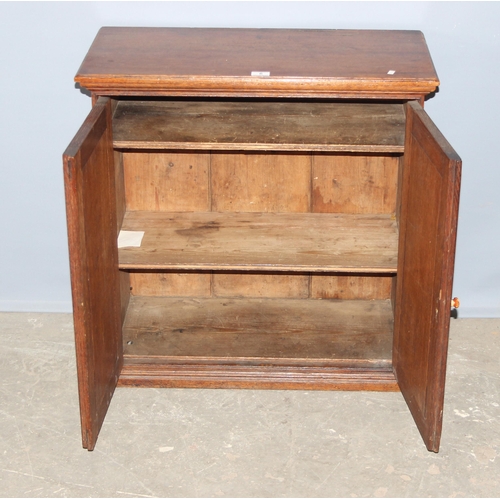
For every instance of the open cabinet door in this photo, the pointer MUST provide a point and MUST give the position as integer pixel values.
(428, 220)
(92, 233)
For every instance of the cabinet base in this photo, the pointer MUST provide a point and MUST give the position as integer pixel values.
(256, 377)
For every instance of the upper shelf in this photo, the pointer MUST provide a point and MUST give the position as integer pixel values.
(277, 126)
(258, 62)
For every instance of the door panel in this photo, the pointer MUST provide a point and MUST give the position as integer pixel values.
(92, 233)
(429, 210)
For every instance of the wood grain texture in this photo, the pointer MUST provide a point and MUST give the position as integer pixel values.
(259, 125)
(262, 242)
(207, 284)
(428, 224)
(186, 61)
(252, 182)
(171, 284)
(350, 287)
(354, 184)
(215, 376)
(260, 331)
(167, 181)
(249, 182)
(263, 285)
(282, 285)
(92, 231)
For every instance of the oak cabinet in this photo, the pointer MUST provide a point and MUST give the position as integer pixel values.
(290, 211)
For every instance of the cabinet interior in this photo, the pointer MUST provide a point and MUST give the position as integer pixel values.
(270, 234)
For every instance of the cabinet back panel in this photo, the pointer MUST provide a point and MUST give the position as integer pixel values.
(354, 184)
(209, 284)
(256, 182)
(167, 182)
(268, 285)
(261, 285)
(349, 287)
(165, 284)
(248, 182)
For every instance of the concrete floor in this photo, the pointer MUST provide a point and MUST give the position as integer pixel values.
(225, 443)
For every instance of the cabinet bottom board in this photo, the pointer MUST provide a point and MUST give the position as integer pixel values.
(258, 343)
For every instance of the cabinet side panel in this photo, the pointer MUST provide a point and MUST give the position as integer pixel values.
(92, 231)
(428, 221)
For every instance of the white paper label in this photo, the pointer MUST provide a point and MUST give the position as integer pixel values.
(130, 239)
(391, 72)
(261, 73)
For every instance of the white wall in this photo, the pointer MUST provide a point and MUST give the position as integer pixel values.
(42, 45)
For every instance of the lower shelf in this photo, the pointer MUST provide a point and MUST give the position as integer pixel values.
(258, 343)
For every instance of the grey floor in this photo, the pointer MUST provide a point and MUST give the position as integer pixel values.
(225, 443)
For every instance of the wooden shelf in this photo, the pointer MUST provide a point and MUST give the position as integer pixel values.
(299, 242)
(276, 126)
(291, 332)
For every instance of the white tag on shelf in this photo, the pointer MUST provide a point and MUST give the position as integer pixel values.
(391, 72)
(130, 239)
(260, 73)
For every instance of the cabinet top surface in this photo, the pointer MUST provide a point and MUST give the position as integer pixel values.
(258, 62)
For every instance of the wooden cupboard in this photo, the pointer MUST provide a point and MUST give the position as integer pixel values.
(297, 209)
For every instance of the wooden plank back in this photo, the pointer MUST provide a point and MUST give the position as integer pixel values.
(355, 184)
(260, 182)
(249, 182)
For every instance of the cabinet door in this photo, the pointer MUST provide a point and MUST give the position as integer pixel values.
(428, 220)
(92, 233)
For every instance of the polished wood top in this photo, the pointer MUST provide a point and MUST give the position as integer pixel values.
(258, 62)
